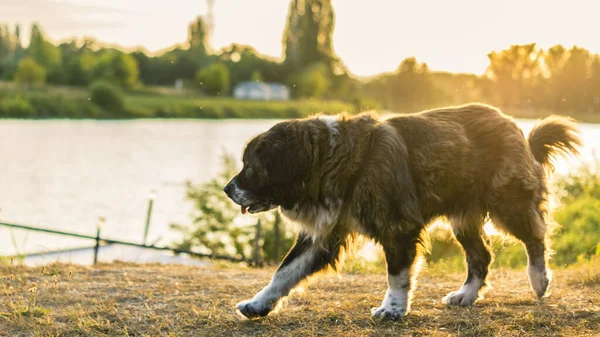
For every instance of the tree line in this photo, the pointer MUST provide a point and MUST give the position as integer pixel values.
(523, 77)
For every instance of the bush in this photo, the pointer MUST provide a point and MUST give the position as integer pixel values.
(214, 80)
(313, 81)
(107, 96)
(16, 107)
(579, 236)
(218, 228)
(30, 72)
(118, 68)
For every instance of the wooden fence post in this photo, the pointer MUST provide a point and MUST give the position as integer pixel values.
(256, 255)
(97, 247)
(277, 238)
(148, 215)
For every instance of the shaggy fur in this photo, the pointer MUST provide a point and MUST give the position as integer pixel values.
(337, 176)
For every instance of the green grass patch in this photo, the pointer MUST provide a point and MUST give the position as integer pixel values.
(77, 103)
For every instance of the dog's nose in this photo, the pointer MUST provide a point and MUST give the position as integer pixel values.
(227, 189)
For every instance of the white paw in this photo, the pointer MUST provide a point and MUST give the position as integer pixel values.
(255, 309)
(539, 280)
(466, 295)
(394, 313)
(459, 298)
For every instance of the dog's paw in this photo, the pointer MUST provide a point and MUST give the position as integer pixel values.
(460, 298)
(539, 280)
(394, 313)
(254, 309)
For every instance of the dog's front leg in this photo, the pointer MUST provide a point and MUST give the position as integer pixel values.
(400, 254)
(305, 258)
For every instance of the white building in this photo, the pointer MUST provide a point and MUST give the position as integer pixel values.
(261, 91)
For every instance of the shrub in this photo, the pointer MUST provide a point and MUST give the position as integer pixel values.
(313, 81)
(107, 96)
(16, 107)
(218, 228)
(30, 72)
(214, 80)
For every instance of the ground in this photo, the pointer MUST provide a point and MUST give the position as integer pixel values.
(155, 300)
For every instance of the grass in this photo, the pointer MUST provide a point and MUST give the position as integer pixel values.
(154, 300)
(71, 102)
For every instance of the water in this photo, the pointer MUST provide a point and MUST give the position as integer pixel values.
(64, 174)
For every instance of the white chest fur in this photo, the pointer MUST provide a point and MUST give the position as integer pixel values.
(315, 220)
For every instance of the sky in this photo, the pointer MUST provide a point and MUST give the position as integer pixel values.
(370, 36)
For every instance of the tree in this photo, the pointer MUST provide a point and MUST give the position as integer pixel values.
(107, 96)
(573, 80)
(43, 52)
(594, 85)
(30, 72)
(118, 68)
(514, 72)
(256, 76)
(245, 64)
(7, 44)
(197, 36)
(410, 87)
(214, 79)
(313, 81)
(308, 36)
(79, 68)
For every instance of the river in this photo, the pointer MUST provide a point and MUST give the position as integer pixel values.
(66, 174)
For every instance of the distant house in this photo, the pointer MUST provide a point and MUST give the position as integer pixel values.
(261, 91)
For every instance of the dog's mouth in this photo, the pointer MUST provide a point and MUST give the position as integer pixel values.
(257, 208)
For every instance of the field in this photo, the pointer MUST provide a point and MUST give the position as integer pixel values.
(71, 102)
(153, 300)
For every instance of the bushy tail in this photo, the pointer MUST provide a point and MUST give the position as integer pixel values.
(552, 137)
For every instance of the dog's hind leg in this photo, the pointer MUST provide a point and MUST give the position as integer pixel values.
(304, 259)
(529, 226)
(468, 232)
(400, 254)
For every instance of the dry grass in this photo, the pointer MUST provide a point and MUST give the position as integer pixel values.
(153, 300)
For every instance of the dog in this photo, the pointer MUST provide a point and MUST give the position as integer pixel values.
(387, 179)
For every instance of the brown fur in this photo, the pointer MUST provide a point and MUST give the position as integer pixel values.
(388, 179)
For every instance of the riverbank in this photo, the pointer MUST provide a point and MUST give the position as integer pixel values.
(54, 102)
(74, 103)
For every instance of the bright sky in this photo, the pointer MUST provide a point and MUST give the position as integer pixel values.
(370, 36)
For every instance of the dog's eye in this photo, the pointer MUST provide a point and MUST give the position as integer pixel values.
(249, 172)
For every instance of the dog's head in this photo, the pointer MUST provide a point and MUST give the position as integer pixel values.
(275, 164)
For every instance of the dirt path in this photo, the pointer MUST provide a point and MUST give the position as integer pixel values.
(154, 300)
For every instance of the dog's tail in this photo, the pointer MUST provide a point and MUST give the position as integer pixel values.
(552, 137)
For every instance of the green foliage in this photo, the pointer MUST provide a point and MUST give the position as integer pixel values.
(576, 239)
(256, 76)
(41, 50)
(118, 68)
(30, 72)
(107, 96)
(197, 35)
(308, 36)
(580, 183)
(214, 79)
(410, 87)
(579, 236)
(217, 227)
(69, 102)
(16, 107)
(313, 81)
(79, 69)
(246, 64)
(523, 79)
